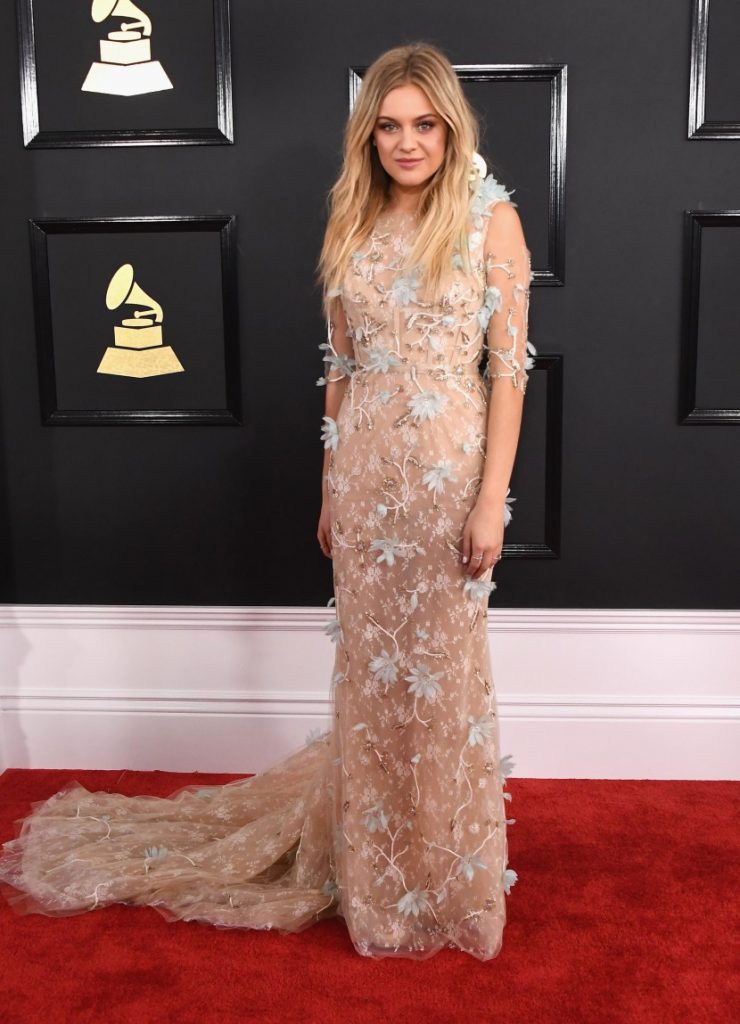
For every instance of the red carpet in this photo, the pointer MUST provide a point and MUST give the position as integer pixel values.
(627, 909)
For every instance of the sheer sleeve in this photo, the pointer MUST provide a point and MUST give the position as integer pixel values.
(338, 351)
(508, 276)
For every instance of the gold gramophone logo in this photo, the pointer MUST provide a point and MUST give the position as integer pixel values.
(138, 349)
(125, 67)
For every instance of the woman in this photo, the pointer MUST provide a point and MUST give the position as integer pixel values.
(413, 511)
(394, 818)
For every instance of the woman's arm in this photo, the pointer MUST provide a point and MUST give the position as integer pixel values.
(508, 273)
(338, 364)
(508, 276)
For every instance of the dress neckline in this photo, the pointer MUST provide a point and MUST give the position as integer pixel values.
(401, 220)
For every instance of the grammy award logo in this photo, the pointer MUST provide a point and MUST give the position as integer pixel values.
(138, 350)
(125, 67)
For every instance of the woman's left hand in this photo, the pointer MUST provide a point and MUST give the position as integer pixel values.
(483, 535)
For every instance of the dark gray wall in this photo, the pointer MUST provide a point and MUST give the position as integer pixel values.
(227, 515)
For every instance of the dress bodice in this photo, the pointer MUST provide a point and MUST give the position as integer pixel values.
(391, 325)
(393, 329)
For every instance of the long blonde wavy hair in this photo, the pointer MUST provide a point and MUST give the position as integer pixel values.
(362, 188)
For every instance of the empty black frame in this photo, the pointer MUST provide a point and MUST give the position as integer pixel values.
(36, 137)
(557, 75)
(549, 547)
(224, 226)
(699, 127)
(694, 221)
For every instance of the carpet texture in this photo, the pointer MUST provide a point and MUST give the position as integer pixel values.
(627, 910)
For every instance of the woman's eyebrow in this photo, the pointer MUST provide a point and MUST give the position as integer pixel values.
(385, 117)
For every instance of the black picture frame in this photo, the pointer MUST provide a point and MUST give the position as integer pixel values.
(221, 132)
(52, 414)
(689, 413)
(551, 366)
(699, 127)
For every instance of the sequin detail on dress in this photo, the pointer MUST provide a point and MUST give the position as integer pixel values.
(394, 817)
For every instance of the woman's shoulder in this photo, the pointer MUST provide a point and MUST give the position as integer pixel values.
(488, 194)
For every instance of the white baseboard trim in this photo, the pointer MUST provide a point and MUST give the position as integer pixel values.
(625, 693)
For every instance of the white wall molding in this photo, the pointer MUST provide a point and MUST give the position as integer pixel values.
(570, 620)
(624, 693)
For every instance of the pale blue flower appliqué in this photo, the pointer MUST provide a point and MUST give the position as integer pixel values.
(424, 683)
(403, 289)
(412, 902)
(336, 361)
(330, 887)
(375, 819)
(436, 475)
(506, 766)
(426, 405)
(488, 190)
(475, 589)
(154, 853)
(388, 547)
(384, 667)
(381, 360)
(467, 865)
(333, 630)
(479, 730)
(507, 509)
(491, 304)
(330, 433)
(509, 878)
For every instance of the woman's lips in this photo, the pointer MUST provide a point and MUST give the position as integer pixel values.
(409, 163)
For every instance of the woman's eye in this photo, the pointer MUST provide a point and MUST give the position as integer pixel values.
(422, 124)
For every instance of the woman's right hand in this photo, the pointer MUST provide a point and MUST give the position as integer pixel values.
(324, 530)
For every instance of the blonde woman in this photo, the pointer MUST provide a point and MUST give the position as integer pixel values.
(394, 818)
(424, 267)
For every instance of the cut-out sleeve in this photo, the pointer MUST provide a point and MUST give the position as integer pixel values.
(508, 266)
(338, 350)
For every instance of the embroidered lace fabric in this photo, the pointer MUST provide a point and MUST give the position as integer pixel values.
(394, 816)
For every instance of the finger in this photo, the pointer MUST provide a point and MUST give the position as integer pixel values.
(478, 564)
(466, 550)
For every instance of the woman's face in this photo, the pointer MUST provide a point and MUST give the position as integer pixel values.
(409, 128)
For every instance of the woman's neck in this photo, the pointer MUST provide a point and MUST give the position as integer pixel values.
(403, 202)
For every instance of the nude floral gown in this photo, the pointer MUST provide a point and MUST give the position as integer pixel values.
(394, 817)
